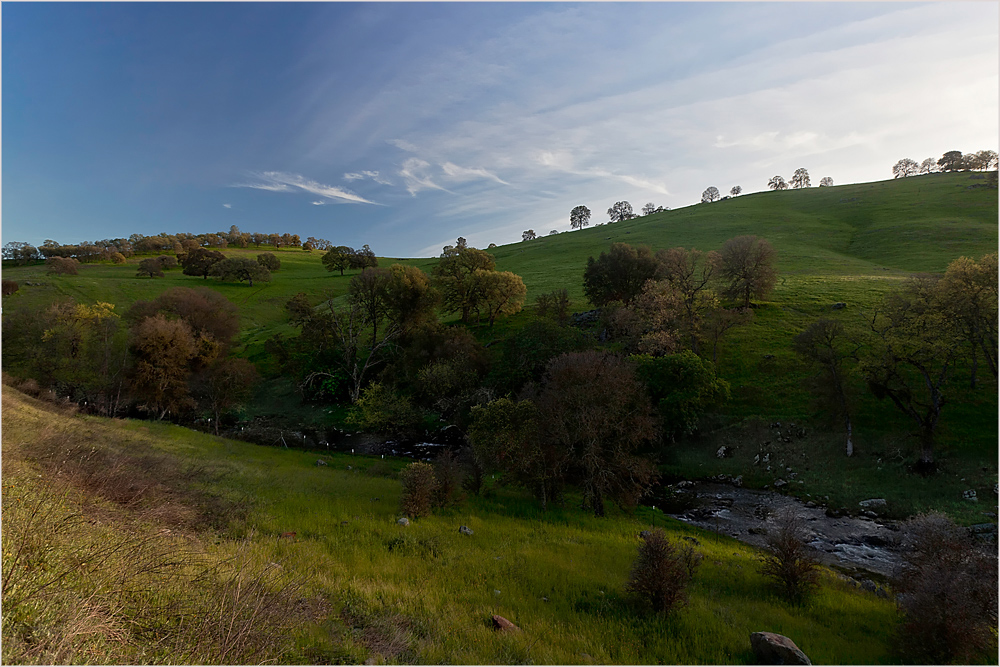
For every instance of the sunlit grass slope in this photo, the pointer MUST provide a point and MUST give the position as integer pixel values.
(423, 593)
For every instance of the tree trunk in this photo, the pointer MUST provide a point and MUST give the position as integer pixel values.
(926, 465)
(850, 443)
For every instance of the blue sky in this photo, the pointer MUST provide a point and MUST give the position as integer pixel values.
(406, 125)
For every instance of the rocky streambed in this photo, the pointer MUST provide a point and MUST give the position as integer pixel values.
(857, 546)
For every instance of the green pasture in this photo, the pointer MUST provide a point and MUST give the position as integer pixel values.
(424, 593)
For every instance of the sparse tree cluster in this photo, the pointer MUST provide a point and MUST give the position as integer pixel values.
(341, 258)
(984, 160)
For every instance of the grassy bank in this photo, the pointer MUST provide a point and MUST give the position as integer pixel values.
(362, 587)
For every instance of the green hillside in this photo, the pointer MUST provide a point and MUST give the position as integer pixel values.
(185, 532)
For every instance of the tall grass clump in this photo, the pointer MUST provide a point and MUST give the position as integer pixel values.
(788, 561)
(946, 590)
(662, 571)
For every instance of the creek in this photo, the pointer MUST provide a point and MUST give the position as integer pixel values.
(857, 546)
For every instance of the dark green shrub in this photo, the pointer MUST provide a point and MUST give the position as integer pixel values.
(269, 261)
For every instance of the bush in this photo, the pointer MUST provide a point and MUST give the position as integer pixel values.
(946, 590)
(381, 410)
(150, 267)
(66, 266)
(419, 489)
(449, 474)
(269, 261)
(554, 305)
(9, 287)
(789, 562)
(167, 261)
(117, 258)
(662, 571)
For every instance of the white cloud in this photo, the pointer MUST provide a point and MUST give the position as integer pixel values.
(374, 175)
(466, 174)
(414, 173)
(277, 181)
(404, 145)
(227, 205)
(319, 203)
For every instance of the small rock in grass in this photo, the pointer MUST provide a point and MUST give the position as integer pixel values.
(465, 530)
(403, 521)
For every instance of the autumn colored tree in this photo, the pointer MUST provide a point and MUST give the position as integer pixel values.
(747, 265)
(208, 313)
(501, 292)
(163, 350)
(66, 266)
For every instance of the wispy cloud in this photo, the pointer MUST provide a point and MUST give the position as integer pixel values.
(466, 174)
(319, 203)
(415, 174)
(278, 181)
(404, 145)
(227, 205)
(374, 175)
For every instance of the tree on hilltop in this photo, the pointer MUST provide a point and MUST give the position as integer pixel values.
(929, 166)
(736, 191)
(825, 182)
(621, 211)
(952, 161)
(338, 258)
(528, 235)
(905, 167)
(579, 217)
(711, 194)
(800, 179)
(777, 183)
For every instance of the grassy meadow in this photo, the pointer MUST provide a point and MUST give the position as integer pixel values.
(352, 585)
(849, 243)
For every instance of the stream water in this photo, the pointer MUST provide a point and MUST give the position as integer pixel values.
(857, 546)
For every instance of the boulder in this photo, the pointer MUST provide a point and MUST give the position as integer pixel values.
(321, 462)
(774, 649)
(970, 495)
(403, 521)
(721, 453)
(503, 625)
(465, 530)
(778, 483)
(873, 504)
(840, 305)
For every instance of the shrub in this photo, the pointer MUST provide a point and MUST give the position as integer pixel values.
(789, 561)
(554, 304)
(66, 266)
(269, 261)
(419, 489)
(946, 590)
(9, 287)
(662, 571)
(381, 410)
(449, 475)
(117, 258)
(150, 267)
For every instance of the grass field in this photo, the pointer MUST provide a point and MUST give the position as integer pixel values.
(848, 244)
(353, 586)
